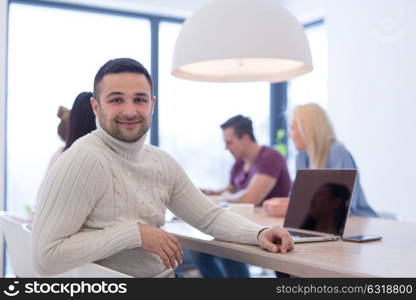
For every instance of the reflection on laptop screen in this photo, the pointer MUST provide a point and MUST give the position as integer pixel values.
(320, 200)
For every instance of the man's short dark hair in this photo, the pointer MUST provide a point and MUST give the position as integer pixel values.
(120, 65)
(241, 125)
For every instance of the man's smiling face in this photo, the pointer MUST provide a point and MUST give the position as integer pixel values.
(124, 106)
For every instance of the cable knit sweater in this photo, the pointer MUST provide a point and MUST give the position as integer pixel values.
(98, 191)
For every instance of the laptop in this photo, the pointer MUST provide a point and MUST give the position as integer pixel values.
(319, 204)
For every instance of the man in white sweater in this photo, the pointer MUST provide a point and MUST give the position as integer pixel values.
(104, 200)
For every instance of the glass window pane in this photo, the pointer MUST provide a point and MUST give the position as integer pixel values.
(190, 114)
(312, 87)
(54, 55)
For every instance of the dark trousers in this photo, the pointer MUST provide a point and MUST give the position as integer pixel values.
(211, 266)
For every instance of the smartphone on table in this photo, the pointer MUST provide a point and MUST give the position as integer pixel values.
(362, 238)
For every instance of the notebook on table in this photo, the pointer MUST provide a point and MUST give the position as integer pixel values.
(319, 204)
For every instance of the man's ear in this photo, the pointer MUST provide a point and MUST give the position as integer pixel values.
(95, 105)
(246, 138)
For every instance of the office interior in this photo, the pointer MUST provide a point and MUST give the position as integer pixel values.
(362, 54)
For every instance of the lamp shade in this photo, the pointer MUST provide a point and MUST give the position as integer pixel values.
(240, 41)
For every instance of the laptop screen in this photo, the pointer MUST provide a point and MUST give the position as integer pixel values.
(320, 200)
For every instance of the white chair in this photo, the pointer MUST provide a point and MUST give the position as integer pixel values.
(18, 237)
(19, 245)
(87, 270)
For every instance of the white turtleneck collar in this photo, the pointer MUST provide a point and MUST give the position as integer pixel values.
(129, 151)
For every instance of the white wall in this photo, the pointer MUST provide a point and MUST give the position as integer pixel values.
(3, 60)
(372, 91)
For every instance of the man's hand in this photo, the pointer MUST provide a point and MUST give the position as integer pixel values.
(161, 243)
(276, 206)
(275, 239)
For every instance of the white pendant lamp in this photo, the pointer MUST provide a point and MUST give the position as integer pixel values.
(240, 41)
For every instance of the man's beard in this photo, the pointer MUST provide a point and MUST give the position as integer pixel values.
(115, 129)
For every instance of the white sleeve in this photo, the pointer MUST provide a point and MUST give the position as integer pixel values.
(191, 205)
(71, 189)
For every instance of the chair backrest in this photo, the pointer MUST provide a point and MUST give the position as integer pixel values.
(19, 245)
(87, 270)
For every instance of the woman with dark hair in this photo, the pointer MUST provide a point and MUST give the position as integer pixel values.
(75, 123)
(81, 119)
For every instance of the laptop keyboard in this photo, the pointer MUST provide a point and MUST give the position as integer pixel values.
(301, 234)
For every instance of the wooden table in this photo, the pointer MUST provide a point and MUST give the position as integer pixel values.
(393, 256)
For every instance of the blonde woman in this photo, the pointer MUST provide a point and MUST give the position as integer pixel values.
(314, 138)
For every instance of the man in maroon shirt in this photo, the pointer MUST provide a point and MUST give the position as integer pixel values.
(259, 173)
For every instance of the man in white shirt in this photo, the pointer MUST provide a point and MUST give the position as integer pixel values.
(104, 200)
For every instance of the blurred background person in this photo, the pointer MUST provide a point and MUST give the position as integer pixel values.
(62, 129)
(314, 138)
(81, 119)
(259, 172)
(75, 123)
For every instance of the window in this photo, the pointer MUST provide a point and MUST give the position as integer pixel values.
(53, 56)
(311, 87)
(190, 114)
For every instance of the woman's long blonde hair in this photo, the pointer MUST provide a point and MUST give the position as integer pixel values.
(317, 132)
